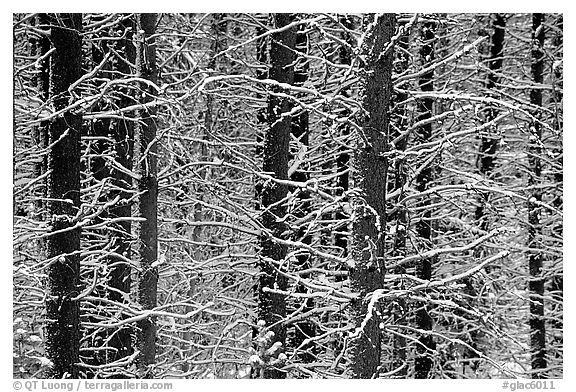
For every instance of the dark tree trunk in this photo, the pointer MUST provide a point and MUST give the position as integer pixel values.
(300, 133)
(341, 229)
(486, 159)
(272, 306)
(369, 204)
(145, 166)
(343, 158)
(536, 283)
(424, 350)
(63, 190)
(556, 287)
(489, 144)
(397, 181)
(115, 138)
(97, 172)
(123, 135)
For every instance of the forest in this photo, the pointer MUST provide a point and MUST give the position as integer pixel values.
(280, 195)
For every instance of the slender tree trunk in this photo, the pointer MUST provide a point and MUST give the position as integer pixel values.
(369, 203)
(63, 190)
(489, 144)
(556, 287)
(341, 231)
(271, 306)
(343, 158)
(97, 173)
(145, 166)
(397, 181)
(486, 160)
(119, 279)
(536, 284)
(423, 361)
(300, 135)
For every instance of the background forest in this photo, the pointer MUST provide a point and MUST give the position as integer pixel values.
(287, 196)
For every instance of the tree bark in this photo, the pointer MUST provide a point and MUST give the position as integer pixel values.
(556, 287)
(369, 166)
(145, 166)
(271, 306)
(300, 135)
(397, 181)
(489, 144)
(423, 361)
(119, 280)
(343, 158)
(536, 283)
(113, 139)
(63, 190)
(486, 160)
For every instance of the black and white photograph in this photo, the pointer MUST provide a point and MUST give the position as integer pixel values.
(287, 196)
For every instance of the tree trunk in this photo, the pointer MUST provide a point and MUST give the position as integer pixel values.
(119, 280)
(369, 203)
(97, 173)
(341, 230)
(397, 181)
(343, 158)
(556, 287)
(63, 190)
(485, 160)
(489, 144)
(145, 166)
(300, 135)
(113, 139)
(272, 306)
(423, 361)
(120, 143)
(536, 283)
